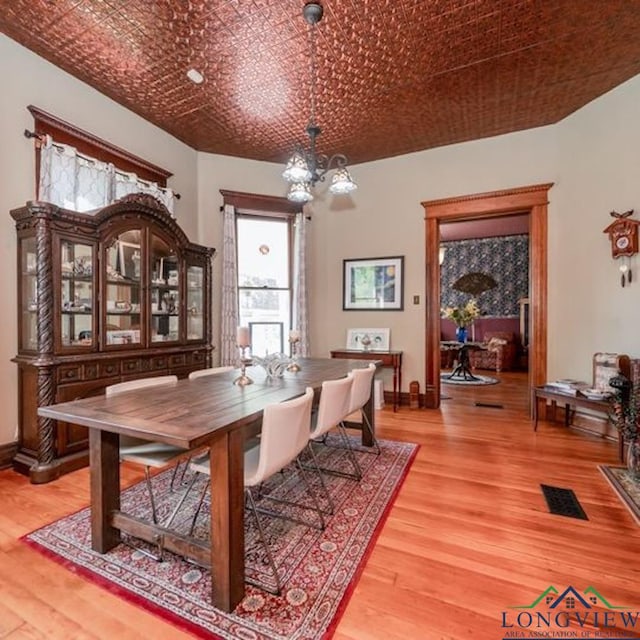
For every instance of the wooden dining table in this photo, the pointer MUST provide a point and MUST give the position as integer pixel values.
(210, 412)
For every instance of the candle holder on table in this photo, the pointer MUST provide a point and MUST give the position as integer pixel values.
(243, 379)
(294, 367)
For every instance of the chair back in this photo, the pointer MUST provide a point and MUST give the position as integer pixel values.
(209, 372)
(120, 387)
(361, 389)
(285, 433)
(334, 404)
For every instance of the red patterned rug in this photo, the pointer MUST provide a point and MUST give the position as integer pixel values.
(319, 569)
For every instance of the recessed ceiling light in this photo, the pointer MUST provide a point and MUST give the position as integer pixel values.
(195, 76)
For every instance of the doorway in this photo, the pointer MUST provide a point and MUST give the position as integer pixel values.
(532, 200)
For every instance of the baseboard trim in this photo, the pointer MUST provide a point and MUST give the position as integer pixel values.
(7, 453)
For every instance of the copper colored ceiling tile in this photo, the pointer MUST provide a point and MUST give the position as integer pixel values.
(394, 76)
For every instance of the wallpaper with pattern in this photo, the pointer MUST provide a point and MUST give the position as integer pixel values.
(506, 259)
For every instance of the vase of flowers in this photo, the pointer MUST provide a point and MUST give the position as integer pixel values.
(462, 316)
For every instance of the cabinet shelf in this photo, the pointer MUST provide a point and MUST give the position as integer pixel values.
(69, 277)
(125, 283)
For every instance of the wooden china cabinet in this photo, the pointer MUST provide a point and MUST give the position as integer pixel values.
(111, 295)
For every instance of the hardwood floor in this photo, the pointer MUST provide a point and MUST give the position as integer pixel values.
(469, 534)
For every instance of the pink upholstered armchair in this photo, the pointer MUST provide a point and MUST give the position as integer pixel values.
(498, 354)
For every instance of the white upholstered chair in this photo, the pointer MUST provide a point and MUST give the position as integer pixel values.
(285, 434)
(360, 395)
(201, 373)
(150, 455)
(333, 408)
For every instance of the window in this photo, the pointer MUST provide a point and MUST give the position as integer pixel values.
(264, 249)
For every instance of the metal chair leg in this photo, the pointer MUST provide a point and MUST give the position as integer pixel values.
(370, 430)
(345, 438)
(316, 468)
(197, 511)
(263, 539)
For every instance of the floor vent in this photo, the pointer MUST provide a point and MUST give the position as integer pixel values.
(563, 502)
(489, 405)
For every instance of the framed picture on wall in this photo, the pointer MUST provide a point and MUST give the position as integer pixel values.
(373, 284)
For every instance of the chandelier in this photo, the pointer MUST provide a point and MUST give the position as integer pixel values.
(306, 168)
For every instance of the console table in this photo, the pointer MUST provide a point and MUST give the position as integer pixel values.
(391, 359)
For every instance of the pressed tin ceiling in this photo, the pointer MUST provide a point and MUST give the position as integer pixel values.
(394, 76)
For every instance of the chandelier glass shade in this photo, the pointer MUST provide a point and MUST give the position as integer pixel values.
(305, 168)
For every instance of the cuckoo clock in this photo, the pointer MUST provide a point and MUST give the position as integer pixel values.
(623, 235)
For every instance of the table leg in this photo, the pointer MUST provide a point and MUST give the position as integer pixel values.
(395, 382)
(368, 410)
(227, 519)
(105, 488)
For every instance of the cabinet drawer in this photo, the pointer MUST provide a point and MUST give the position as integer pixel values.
(70, 373)
(197, 357)
(108, 369)
(90, 371)
(177, 360)
(159, 362)
(131, 366)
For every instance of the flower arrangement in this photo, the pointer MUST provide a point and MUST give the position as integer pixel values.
(462, 316)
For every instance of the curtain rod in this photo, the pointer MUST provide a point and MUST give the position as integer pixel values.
(40, 137)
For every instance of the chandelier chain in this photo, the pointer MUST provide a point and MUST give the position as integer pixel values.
(314, 71)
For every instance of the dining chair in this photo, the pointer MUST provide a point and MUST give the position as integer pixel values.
(360, 395)
(212, 371)
(333, 408)
(151, 455)
(285, 434)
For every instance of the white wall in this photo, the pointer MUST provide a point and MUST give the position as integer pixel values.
(599, 164)
(28, 79)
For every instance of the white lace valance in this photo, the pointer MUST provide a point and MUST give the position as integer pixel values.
(74, 181)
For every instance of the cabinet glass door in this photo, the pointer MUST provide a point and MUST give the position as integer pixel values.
(165, 292)
(123, 298)
(29, 294)
(195, 303)
(76, 282)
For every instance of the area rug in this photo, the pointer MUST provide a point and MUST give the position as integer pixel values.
(627, 488)
(482, 380)
(319, 569)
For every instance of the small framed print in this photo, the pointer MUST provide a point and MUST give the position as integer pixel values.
(368, 339)
(373, 284)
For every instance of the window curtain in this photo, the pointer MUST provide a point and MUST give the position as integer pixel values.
(229, 322)
(73, 181)
(300, 302)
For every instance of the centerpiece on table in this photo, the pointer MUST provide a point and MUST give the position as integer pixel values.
(462, 317)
